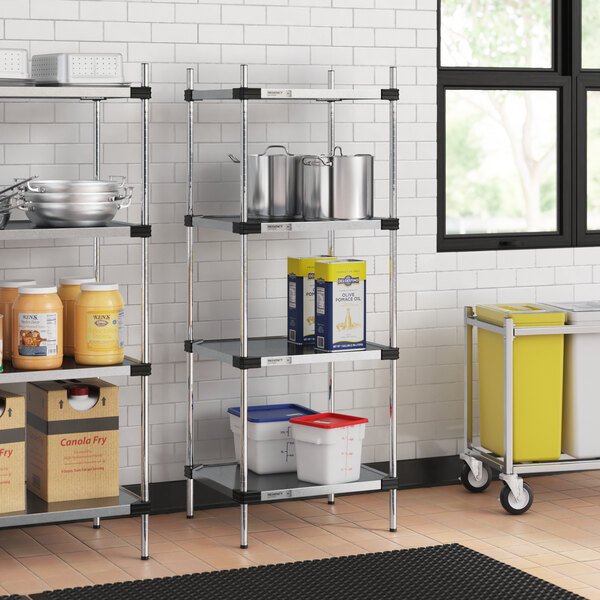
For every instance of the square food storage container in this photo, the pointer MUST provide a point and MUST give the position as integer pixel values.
(14, 63)
(537, 382)
(271, 448)
(328, 447)
(581, 409)
(77, 69)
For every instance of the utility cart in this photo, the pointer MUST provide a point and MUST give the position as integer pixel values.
(516, 495)
(251, 353)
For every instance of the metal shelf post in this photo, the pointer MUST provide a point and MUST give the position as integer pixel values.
(244, 310)
(190, 300)
(393, 308)
(145, 391)
(331, 236)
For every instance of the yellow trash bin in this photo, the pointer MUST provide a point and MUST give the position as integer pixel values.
(537, 383)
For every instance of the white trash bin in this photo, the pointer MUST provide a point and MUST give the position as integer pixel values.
(581, 408)
(328, 447)
(270, 444)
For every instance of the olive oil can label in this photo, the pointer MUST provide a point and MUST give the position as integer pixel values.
(38, 334)
(105, 330)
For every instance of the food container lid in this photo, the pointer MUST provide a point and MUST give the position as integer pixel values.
(75, 280)
(16, 283)
(38, 289)
(579, 312)
(79, 390)
(273, 412)
(329, 420)
(100, 287)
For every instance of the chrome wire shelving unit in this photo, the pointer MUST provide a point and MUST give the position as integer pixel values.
(37, 511)
(516, 495)
(247, 353)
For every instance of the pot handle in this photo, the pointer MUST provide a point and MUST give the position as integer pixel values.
(22, 204)
(311, 159)
(125, 201)
(276, 146)
(234, 159)
(340, 149)
(120, 179)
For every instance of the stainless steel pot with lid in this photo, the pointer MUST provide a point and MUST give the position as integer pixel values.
(352, 186)
(316, 188)
(272, 190)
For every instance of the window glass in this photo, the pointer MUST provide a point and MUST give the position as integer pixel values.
(501, 161)
(590, 41)
(497, 33)
(593, 167)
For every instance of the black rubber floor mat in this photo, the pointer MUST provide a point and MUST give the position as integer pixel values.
(435, 573)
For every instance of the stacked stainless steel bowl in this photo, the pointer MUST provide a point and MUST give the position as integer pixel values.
(80, 203)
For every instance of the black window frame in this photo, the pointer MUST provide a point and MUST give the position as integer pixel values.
(572, 84)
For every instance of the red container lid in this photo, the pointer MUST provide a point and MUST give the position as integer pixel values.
(328, 420)
(79, 390)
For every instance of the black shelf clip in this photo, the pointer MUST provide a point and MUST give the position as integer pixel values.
(141, 231)
(141, 92)
(245, 227)
(389, 483)
(390, 94)
(188, 220)
(188, 345)
(246, 362)
(390, 224)
(141, 370)
(140, 508)
(246, 93)
(390, 354)
(249, 497)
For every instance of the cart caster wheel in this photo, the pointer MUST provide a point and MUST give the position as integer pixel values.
(510, 505)
(468, 479)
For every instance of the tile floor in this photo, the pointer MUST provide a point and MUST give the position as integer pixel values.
(557, 540)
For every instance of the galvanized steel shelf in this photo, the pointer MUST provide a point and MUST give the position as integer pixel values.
(73, 92)
(479, 461)
(38, 512)
(305, 94)
(25, 230)
(246, 353)
(284, 486)
(235, 225)
(277, 351)
(72, 370)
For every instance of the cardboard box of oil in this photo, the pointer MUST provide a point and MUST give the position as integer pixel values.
(340, 305)
(12, 452)
(301, 299)
(72, 453)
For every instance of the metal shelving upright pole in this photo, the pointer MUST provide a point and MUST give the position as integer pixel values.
(393, 308)
(97, 116)
(145, 391)
(190, 299)
(244, 309)
(331, 236)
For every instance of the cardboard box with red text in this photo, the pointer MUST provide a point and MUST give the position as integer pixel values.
(12, 452)
(71, 454)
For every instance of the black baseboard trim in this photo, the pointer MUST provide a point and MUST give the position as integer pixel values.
(170, 496)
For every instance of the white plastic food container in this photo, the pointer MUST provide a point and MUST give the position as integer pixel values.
(581, 409)
(328, 447)
(14, 63)
(77, 69)
(271, 447)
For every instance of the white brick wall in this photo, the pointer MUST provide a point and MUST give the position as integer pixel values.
(286, 42)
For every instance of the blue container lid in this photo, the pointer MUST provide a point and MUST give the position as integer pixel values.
(273, 412)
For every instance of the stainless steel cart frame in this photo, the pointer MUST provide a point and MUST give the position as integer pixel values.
(245, 353)
(479, 460)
